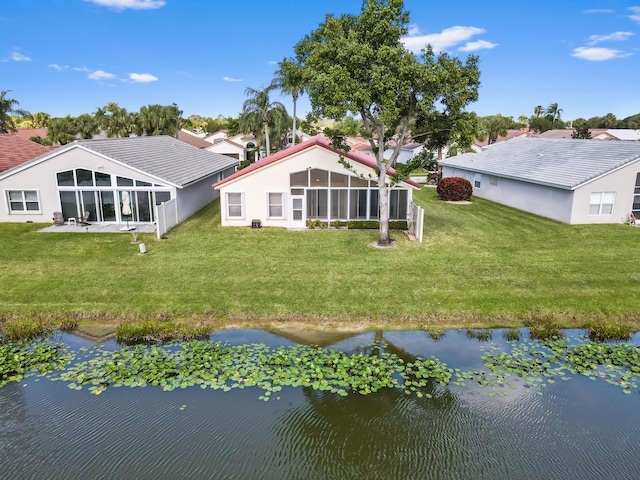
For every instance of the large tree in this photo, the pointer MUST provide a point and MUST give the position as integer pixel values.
(494, 127)
(9, 107)
(359, 65)
(289, 80)
(259, 114)
(157, 120)
(115, 120)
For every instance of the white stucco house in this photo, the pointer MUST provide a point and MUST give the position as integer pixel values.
(572, 181)
(95, 176)
(308, 182)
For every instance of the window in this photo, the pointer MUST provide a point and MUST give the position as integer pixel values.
(299, 179)
(601, 203)
(276, 205)
(635, 208)
(234, 205)
(493, 180)
(477, 180)
(339, 203)
(23, 201)
(398, 204)
(124, 182)
(65, 179)
(317, 204)
(358, 204)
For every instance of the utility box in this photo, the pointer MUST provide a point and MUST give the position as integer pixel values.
(256, 223)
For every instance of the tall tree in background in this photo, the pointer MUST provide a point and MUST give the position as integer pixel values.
(157, 120)
(114, 120)
(259, 114)
(9, 107)
(87, 126)
(62, 130)
(289, 80)
(495, 126)
(358, 64)
(553, 112)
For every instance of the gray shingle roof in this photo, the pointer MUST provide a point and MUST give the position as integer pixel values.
(162, 156)
(560, 163)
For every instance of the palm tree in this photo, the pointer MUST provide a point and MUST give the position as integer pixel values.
(114, 120)
(538, 111)
(62, 130)
(495, 126)
(258, 112)
(157, 120)
(553, 112)
(87, 125)
(289, 80)
(8, 108)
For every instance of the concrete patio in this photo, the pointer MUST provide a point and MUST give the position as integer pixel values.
(102, 228)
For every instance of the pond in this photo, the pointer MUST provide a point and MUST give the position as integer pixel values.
(556, 426)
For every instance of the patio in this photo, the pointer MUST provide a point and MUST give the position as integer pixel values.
(102, 228)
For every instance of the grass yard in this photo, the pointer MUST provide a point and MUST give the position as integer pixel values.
(482, 264)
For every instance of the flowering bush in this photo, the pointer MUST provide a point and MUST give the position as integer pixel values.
(453, 189)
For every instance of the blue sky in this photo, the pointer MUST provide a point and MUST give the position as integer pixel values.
(68, 57)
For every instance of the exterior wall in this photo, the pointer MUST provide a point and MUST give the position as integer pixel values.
(274, 178)
(42, 178)
(195, 197)
(554, 203)
(621, 181)
(225, 148)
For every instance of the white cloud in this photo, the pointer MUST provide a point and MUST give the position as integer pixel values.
(635, 16)
(100, 75)
(598, 10)
(615, 36)
(229, 79)
(120, 5)
(81, 69)
(142, 78)
(272, 62)
(597, 54)
(477, 45)
(16, 56)
(449, 37)
(60, 68)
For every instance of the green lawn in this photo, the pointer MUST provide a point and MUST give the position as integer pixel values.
(478, 261)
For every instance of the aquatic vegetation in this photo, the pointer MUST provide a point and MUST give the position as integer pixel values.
(611, 331)
(434, 333)
(544, 328)
(152, 331)
(511, 335)
(367, 369)
(14, 329)
(481, 334)
(22, 359)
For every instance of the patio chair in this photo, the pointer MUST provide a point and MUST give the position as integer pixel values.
(83, 220)
(58, 218)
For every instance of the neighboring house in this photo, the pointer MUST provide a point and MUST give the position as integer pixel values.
(626, 134)
(93, 175)
(16, 149)
(308, 182)
(228, 148)
(192, 139)
(407, 152)
(511, 133)
(573, 181)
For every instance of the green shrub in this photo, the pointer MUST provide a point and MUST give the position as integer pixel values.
(543, 329)
(454, 189)
(612, 331)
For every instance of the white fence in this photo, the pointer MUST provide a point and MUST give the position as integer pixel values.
(166, 217)
(416, 221)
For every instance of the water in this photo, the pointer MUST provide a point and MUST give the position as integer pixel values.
(577, 429)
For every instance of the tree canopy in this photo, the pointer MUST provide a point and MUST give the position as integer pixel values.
(9, 107)
(359, 65)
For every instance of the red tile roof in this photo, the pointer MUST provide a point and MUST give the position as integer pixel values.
(192, 139)
(319, 141)
(15, 150)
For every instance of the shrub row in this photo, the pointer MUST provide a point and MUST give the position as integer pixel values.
(357, 224)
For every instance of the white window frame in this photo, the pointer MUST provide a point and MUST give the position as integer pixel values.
(24, 211)
(282, 205)
(597, 200)
(477, 181)
(229, 205)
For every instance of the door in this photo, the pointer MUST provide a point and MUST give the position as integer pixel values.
(297, 217)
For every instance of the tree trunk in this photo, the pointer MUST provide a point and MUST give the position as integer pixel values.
(266, 134)
(295, 101)
(383, 194)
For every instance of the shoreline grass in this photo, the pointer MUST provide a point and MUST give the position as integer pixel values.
(482, 265)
